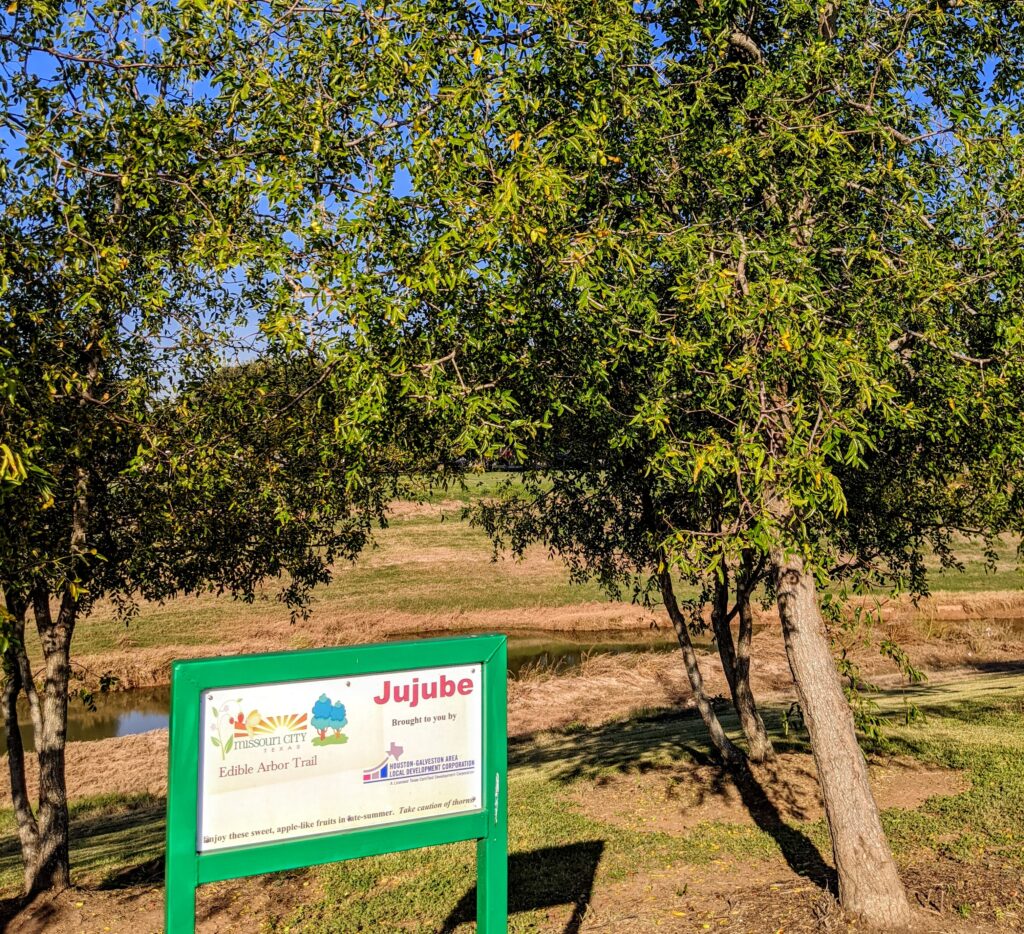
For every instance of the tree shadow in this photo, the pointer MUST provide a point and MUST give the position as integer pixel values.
(661, 741)
(559, 875)
(636, 744)
(10, 908)
(149, 872)
(799, 851)
(110, 848)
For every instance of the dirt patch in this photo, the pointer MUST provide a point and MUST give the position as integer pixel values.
(766, 897)
(241, 905)
(410, 509)
(756, 897)
(677, 799)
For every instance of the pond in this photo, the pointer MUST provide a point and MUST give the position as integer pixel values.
(122, 713)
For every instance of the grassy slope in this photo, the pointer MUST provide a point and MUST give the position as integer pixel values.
(423, 565)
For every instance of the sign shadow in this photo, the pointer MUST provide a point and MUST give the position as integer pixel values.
(546, 878)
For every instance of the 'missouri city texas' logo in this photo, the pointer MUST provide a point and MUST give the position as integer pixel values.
(232, 728)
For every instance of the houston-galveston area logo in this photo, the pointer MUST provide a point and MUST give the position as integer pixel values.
(233, 728)
(394, 769)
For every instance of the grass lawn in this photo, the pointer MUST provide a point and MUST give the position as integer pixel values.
(957, 851)
(559, 851)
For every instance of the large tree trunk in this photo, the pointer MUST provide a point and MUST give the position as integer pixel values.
(52, 870)
(736, 664)
(729, 752)
(869, 884)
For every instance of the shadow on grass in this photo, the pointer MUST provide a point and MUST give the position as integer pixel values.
(558, 875)
(659, 742)
(110, 848)
(640, 744)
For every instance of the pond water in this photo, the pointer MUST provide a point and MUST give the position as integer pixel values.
(122, 713)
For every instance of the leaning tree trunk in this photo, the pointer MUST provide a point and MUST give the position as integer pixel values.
(25, 821)
(730, 753)
(869, 884)
(736, 665)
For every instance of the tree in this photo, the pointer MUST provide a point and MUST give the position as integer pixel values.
(767, 254)
(162, 442)
(328, 716)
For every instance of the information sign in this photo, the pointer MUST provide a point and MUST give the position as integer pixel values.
(298, 758)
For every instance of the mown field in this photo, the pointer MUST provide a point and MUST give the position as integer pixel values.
(428, 570)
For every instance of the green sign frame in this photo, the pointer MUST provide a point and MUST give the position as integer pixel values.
(187, 868)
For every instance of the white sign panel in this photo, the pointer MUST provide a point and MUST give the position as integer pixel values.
(297, 759)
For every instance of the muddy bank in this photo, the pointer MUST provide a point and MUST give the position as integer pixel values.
(952, 617)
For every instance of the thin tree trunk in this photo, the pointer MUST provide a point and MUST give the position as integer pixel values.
(758, 741)
(736, 664)
(723, 632)
(52, 868)
(729, 752)
(869, 883)
(28, 829)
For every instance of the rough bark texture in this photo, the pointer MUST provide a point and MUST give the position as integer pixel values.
(869, 884)
(28, 829)
(729, 753)
(52, 871)
(758, 741)
(736, 665)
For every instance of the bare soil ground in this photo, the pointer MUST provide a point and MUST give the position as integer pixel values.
(768, 898)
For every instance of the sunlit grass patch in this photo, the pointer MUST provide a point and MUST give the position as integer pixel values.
(111, 835)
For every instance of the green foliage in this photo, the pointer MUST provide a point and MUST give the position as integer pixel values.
(726, 281)
(144, 222)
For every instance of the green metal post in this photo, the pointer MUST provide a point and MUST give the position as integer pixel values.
(492, 850)
(182, 804)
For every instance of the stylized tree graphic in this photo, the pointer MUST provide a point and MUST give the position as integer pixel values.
(328, 716)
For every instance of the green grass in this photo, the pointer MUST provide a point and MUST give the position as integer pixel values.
(472, 487)
(977, 727)
(983, 735)
(976, 575)
(558, 852)
(112, 837)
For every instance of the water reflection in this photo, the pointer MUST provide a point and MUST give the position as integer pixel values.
(120, 713)
(123, 713)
